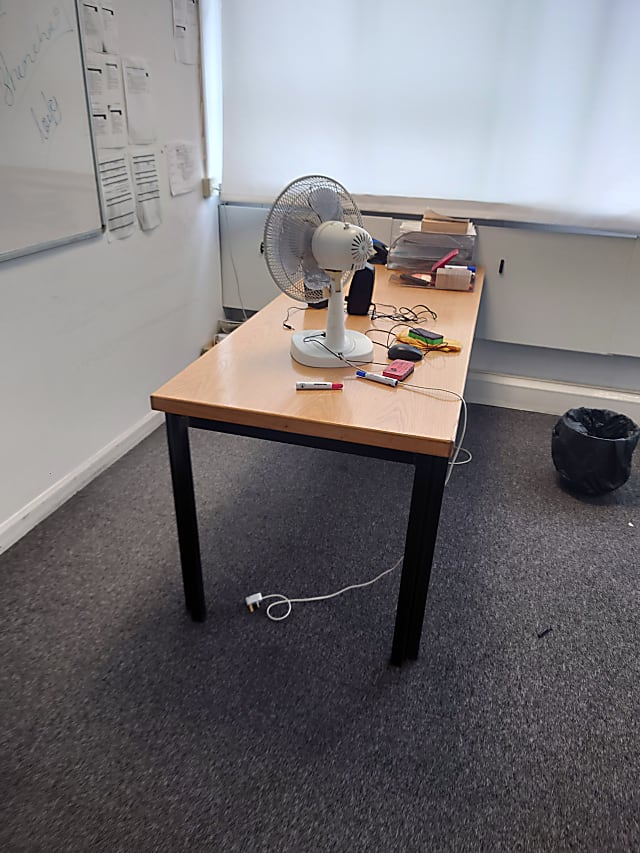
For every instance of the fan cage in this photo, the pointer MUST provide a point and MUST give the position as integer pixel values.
(293, 219)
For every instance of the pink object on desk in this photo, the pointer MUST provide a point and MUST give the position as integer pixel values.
(445, 260)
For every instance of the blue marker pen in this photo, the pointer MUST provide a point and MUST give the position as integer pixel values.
(459, 267)
(377, 377)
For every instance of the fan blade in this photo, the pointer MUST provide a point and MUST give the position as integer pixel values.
(326, 203)
(302, 206)
(295, 245)
(314, 283)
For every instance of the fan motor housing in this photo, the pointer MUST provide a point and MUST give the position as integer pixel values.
(341, 246)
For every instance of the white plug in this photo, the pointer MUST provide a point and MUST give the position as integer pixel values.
(253, 601)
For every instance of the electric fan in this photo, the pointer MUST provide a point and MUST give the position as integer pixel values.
(313, 243)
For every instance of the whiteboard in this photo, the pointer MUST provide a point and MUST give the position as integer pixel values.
(49, 190)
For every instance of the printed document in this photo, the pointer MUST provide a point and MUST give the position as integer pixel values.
(183, 167)
(117, 194)
(147, 188)
(140, 112)
(186, 32)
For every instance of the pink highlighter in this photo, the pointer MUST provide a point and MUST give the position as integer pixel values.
(445, 260)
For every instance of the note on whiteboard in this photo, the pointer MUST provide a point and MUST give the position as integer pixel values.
(117, 126)
(109, 28)
(104, 80)
(92, 26)
(116, 112)
(118, 194)
(140, 112)
(147, 188)
(95, 77)
(180, 13)
(113, 79)
(186, 36)
(183, 167)
(100, 119)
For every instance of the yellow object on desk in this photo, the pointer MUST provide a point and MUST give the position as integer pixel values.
(445, 346)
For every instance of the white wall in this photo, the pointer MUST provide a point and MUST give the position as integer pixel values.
(89, 330)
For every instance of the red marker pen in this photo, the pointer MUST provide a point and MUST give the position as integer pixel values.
(319, 386)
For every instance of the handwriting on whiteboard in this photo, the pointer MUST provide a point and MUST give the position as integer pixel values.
(47, 116)
(16, 66)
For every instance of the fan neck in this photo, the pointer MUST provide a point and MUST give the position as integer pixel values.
(335, 339)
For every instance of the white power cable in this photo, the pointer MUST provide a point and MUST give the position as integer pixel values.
(283, 600)
(458, 446)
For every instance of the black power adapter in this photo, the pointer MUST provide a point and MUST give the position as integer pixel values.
(360, 293)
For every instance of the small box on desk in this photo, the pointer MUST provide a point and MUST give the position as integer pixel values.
(459, 278)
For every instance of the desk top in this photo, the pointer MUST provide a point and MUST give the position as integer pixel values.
(249, 377)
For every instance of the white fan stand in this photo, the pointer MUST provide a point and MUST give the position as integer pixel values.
(315, 348)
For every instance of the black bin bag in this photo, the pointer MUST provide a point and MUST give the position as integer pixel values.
(592, 449)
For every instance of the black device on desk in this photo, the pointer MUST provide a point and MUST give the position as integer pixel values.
(361, 291)
(405, 351)
(381, 252)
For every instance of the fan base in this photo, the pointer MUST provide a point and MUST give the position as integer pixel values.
(357, 349)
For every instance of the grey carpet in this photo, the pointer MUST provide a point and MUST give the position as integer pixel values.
(125, 727)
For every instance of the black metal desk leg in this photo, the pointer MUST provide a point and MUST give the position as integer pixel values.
(426, 500)
(185, 504)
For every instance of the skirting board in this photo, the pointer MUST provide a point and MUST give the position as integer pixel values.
(39, 508)
(542, 395)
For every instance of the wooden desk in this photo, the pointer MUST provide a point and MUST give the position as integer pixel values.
(246, 385)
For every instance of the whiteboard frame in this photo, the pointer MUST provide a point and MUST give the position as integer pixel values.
(93, 232)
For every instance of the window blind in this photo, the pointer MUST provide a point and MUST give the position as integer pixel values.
(527, 103)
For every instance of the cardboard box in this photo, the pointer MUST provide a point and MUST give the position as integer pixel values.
(458, 279)
(445, 226)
